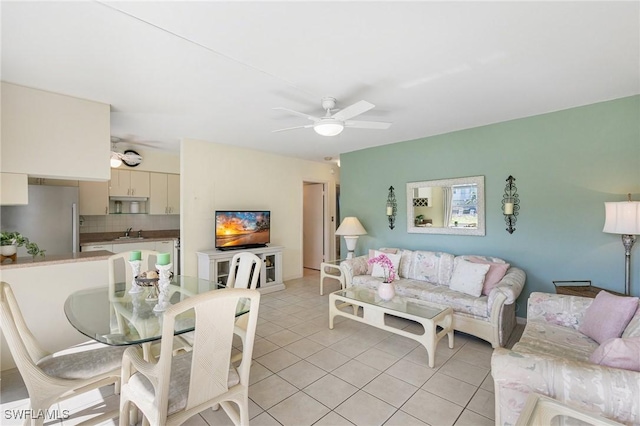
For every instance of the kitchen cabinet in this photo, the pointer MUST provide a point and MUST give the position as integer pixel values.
(93, 198)
(164, 193)
(139, 245)
(15, 190)
(46, 134)
(97, 247)
(128, 183)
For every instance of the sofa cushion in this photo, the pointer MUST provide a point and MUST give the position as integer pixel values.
(618, 353)
(443, 295)
(608, 316)
(468, 277)
(555, 340)
(496, 272)
(431, 266)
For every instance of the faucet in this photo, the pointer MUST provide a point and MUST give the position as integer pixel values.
(140, 233)
(127, 232)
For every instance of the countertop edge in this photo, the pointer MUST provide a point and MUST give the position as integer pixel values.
(29, 262)
(127, 241)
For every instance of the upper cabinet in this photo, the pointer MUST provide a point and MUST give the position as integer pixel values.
(93, 198)
(129, 183)
(53, 135)
(14, 190)
(164, 195)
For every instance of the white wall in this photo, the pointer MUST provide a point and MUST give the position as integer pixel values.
(224, 177)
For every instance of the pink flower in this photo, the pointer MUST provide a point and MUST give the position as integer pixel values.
(387, 266)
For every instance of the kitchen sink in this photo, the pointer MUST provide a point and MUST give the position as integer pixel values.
(128, 238)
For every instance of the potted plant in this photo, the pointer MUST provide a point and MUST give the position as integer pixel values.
(11, 240)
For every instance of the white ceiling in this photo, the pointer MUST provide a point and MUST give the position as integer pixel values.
(215, 70)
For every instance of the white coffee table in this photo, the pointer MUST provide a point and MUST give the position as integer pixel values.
(429, 315)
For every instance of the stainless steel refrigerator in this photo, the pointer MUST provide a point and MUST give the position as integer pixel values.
(50, 219)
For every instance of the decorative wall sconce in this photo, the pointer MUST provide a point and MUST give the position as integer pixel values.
(392, 208)
(510, 204)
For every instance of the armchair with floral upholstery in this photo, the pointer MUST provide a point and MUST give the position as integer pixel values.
(552, 358)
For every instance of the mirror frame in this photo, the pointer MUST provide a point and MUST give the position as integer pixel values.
(479, 231)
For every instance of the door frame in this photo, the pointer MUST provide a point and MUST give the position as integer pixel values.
(328, 208)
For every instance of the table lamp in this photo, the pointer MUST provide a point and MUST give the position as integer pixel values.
(624, 218)
(350, 228)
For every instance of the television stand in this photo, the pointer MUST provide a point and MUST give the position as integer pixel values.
(214, 265)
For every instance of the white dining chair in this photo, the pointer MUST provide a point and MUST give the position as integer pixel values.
(175, 387)
(50, 378)
(116, 262)
(244, 272)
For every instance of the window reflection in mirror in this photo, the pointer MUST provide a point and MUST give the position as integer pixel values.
(448, 206)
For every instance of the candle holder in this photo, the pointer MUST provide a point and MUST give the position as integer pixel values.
(510, 204)
(135, 270)
(163, 287)
(392, 208)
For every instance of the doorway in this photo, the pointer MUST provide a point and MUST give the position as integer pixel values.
(313, 228)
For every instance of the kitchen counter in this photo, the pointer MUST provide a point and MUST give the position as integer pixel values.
(29, 261)
(112, 237)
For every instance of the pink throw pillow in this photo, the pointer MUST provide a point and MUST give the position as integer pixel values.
(618, 353)
(608, 316)
(495, 274)
(383, 250)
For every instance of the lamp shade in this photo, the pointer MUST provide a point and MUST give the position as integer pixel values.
(622, 218)
(351, 226)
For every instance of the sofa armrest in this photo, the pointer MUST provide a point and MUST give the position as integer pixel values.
(352, 267)
(612, 392)
(511, 286)
(557, 309)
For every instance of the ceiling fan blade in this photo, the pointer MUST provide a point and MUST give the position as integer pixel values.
(299, 114)
(292, 128)
(353, 110)
(367, 124)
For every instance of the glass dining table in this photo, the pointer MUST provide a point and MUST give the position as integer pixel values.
(119, 318)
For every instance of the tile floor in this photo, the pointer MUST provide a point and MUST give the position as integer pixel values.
(305, 374)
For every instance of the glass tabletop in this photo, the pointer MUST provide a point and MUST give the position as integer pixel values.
(123, 318)
(406, 305)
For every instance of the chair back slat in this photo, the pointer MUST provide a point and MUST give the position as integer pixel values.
(244, 271)
(213, 342)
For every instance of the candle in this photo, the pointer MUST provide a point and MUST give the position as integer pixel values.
(135, 255)
(389, 210)
(163, 258)
(508, 208)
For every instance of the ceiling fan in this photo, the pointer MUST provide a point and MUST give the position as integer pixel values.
(129, 157)
(334, 124)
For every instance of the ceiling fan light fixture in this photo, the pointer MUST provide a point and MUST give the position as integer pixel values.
(115, 161)
(328, 127)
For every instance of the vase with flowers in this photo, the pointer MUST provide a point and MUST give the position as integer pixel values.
(386, 290)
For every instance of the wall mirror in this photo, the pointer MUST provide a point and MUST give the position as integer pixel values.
(446, 206)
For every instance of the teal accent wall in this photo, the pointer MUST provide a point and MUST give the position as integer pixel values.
(566, 165)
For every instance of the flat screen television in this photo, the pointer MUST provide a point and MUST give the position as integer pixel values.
(239, 229)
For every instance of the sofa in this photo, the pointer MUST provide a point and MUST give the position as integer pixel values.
(552, 358)
(426, 275)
